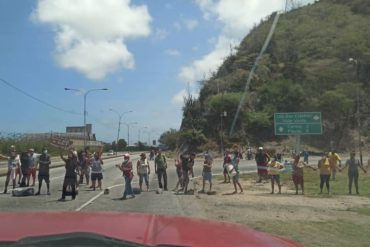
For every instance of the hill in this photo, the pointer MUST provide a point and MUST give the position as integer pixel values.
(306, 67)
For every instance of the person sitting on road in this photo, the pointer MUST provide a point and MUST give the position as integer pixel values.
(143, 171)
(274, 168)
(353, 165)
(207, 172)
(96, 170)
(13, 165)
(126, 168)
(44, 166)
(70, 178)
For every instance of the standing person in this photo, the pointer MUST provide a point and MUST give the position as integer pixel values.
(151, 155)
(126, 168)
(179, 174)
(305, 156)
(262, 158)
(249, 153)
(353, 165)
(70, 178)
(143, 171)
(34, 159)
(297, 173)
(13, 165)
(25, 169)
(274, 168)
(207, 172)
(184, 158)
(227, 161)
(325, 171)
(160, 167)
(334, 159)
(96, 170)
(85, 163)
(44, 165)
(235, 163)
(13, 151)
(191, 164)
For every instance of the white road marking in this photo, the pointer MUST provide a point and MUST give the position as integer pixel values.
(97, 196)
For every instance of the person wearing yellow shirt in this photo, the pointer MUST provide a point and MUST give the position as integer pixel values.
(334, 159)
(325, 167)
(274, 168)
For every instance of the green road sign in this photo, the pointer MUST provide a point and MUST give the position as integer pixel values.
(298, 123)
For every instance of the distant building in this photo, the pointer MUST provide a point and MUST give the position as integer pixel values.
(80, 131)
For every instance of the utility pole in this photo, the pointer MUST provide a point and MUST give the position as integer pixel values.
(359, 125)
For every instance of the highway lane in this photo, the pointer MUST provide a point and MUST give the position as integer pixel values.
(167, 203)
(111, 174)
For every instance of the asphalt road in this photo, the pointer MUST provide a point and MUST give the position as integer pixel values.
(88, 199)
(167, 202)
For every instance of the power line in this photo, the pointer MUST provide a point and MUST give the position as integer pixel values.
(37, 99)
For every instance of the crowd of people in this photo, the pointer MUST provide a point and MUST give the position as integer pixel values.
(88, 166)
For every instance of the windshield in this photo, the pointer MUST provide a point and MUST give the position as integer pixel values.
(245, 112)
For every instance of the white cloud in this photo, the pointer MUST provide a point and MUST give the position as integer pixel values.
(178, 99)
(172, 52)
(236, 18)
(177, 26)
(160, 34)
(90, 35)
(191, 24)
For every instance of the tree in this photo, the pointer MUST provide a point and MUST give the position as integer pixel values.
(170, 138)
(122, 144)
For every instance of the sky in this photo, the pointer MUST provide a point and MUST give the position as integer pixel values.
(148, 53)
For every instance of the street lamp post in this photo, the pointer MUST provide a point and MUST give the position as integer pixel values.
(85, 93)
(356, 62)
(128, 131)
(120, 115)
(139, 131)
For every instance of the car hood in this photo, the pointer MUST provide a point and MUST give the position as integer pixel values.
(146, 229)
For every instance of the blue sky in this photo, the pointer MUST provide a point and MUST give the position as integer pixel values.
(147, 52)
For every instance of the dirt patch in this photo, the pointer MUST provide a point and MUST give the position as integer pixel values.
(256, 204)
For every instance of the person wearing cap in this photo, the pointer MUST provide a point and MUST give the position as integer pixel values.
(70, 178)
(13, 164)
(160, 167)
(34, 159)
(262, 159)
(126, 168)
(96, 170)
(143, 171)
(353, 165)
(43, 167)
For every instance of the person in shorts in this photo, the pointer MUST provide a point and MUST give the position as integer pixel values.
(227, 161)
(43, 167)
(34, 159)
(96, 170)
(235, 177)
(274, 168)
(298, 174)
(207, 172)
(143, 171)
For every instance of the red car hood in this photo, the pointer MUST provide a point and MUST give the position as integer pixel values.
(151, 230)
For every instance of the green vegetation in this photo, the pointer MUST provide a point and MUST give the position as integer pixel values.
(305, 68)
